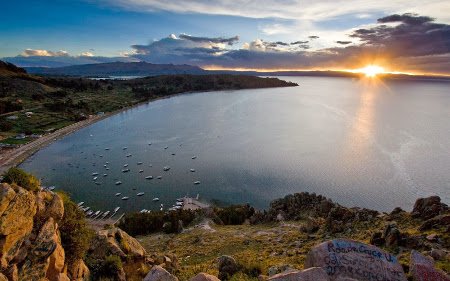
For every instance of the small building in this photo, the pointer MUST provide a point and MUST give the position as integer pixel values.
(28, 114)
(20, 136)
(12, 117)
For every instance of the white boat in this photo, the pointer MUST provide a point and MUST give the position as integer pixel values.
(128, 155)
(156, 199)
(94, 174)
(150, 165)
(105, 175)
(173, 154)
(118, 182)
(125, 148)
(194, 157)
(118, 194)
(95, 178)
(149, 177)
(98, 183)
(89, 213)
(116, 209)
(104, 165)
(51, 187)
(107, 163)
(125, 170)
(192, 170)
(139, 163)
(105, 214)
(166, 147)
(143, 211)
(86, 209)
(126, 165)
(140, 194)
(80, 204)
(149, 143)
(125, 198)
(179, 203)
(107, 148)
(166, 168)
(96, 213)
(107, 169)
(196, 182)
(141, 171)
(159, 177)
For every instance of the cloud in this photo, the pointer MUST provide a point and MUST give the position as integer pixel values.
(299, 42)
(344, 42)
(43, 53)
(47, 58)
(219, 40)
(408, 42)
(313, 10)
(411, 35)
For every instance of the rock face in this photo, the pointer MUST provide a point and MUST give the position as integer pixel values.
(157, 273)
(347, 258)
(310, 274)
(427, 208)
(30, 243)
(422, 269)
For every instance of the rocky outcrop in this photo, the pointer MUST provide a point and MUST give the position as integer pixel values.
(157, 273)
(78, 270)
(427, 208)
(30, 243)
(117, 242)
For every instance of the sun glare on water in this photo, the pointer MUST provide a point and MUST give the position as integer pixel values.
(372, 70)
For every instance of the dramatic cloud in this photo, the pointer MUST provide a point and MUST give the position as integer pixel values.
(408, 42)
(412, 35)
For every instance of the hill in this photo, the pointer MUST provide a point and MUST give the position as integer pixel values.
(117, 69)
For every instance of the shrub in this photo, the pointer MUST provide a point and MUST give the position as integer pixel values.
(21, 178)
(235, 214)
(75, 233)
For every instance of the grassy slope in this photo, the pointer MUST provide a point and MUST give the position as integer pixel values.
(267, 245)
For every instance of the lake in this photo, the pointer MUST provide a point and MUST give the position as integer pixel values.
(357, 141)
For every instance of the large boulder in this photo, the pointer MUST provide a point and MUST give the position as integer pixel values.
(16, 221)
(427, 208)
(351, 259)
(227, 267)
(310, 274)
(422, 269)
(157, 273)
(117, 242)
(204, 277)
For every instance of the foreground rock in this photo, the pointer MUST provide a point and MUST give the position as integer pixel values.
(30, 242)
(227, 267)
(427, 208)
(422, 269)
(350, 259)
(204, 277)
(157, 273)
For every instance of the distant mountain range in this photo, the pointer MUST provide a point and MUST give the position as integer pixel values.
(141, 69)
(117, 69)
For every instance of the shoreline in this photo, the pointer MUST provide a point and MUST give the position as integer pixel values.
(14, 157)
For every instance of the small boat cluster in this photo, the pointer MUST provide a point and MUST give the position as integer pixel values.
(91, 214)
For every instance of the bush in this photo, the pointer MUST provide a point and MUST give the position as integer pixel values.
(141, 224)
(235, 214)
(75, 233)
(21, 178)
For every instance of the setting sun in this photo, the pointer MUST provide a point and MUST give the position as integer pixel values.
(372, 70)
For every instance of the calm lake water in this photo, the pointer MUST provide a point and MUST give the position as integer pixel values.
(375, 145)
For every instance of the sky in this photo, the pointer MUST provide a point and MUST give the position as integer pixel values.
(400, 35)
